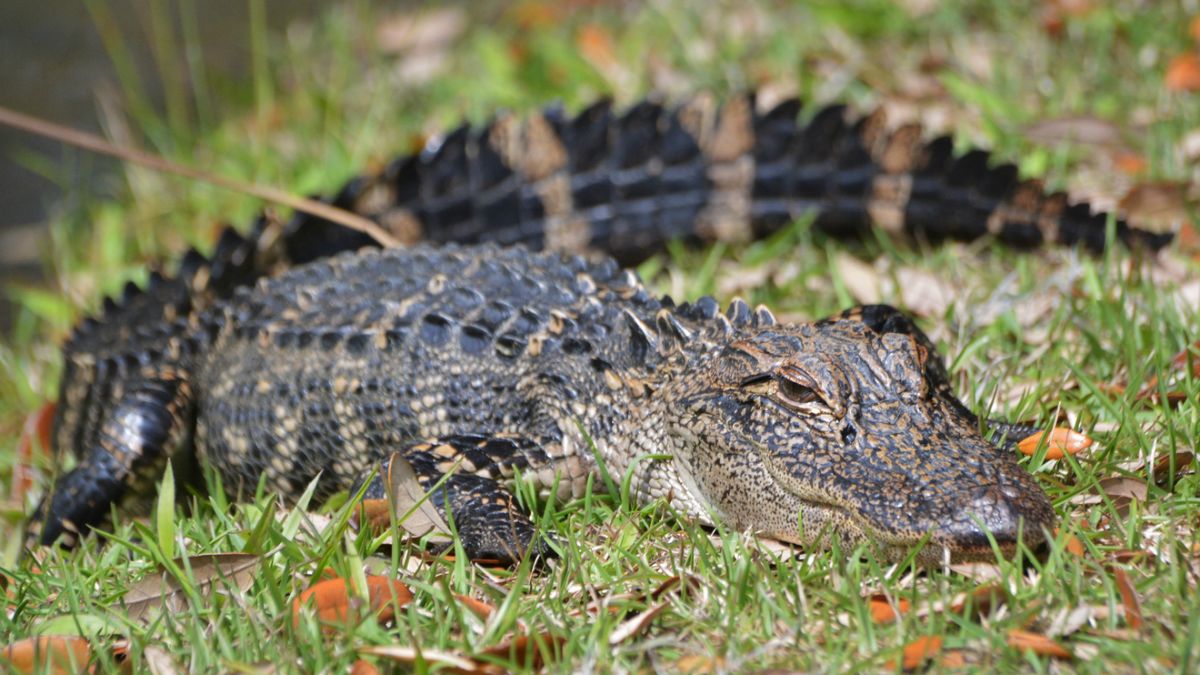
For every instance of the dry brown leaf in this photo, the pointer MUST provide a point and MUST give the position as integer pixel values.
(1160, 205)
(524, 650)
(363, 667)
(1183, 73)
(1117, 487)
(420, 31)
(1037, 643)
(412, 506)
(334, 605)
(479, 608)
(48, 654)
(860, 279)
(700, 664)
(1161, 474)
(160, 662)
(1129, 598)
(923, 292)
(954, 658)
(212, 572)
(35, 440)
(918, 652)
(983, 599)
(595, 44)
(883, 611)
(430, 657)
(1060, 442)
(1130, 163)
(1074, 546)
(1081, 129)
(636, 624)
(983, 572)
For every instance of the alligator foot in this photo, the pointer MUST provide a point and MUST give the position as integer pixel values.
(450, 485)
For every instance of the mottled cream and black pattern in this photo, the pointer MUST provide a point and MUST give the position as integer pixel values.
(275, 360)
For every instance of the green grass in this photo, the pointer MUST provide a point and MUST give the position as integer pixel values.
(1027, 335)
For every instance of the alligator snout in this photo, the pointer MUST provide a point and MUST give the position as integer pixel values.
(1005, 513)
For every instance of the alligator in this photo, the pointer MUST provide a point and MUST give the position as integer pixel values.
(298, 355)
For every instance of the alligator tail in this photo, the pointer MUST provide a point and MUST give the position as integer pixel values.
(147, 329)
(627, 183)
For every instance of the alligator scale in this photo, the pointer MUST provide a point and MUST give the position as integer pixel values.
(295, 354)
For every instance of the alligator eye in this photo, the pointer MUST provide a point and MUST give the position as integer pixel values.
(796, 394)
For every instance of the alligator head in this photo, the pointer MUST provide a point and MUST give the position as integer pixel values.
(807, 431)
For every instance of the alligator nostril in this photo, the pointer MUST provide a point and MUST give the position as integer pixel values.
(849, 434)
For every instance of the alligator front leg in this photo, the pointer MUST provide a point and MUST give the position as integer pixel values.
(460, 477)
(128, 452)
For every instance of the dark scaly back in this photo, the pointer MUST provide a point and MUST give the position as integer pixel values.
(626, 183)
(149, 327)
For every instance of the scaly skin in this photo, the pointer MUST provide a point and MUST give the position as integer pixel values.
(506, 358)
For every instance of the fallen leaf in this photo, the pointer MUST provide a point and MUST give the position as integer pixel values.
(637, 624)
(210, 572)
(983, 572)
(595, 44)
(918, 652)
(1037, 643)
(363, 667)
(48, 653)
(1132, 556)
(35, 440)
(1183, 73)
(479, 608)
(1168, 468)
(1060, 442)
(700, 664)
(1159, 205)
(420, 31)
(883, 612)
(1129, 598)
(410, 503)
(525, 651)
(334, 605)
(1130, 163)
(160, 662)
(1080, 129)
(430, 657)
(1122, 486)
(982, 601)
(955, 658)
(1074, 546)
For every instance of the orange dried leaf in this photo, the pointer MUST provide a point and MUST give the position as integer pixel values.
(596, 45)
(35, 439)
(363, 667)
(1129, 598)
(918, 652)
(1074, 546)
(882, 611)
(48, 654)
(332, 600)
(1130, 163)
(1183, 73)
(527, 651)
(955, 658)
(1037, 643)
(1060, 442)
(982, 600)
(479, 608)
